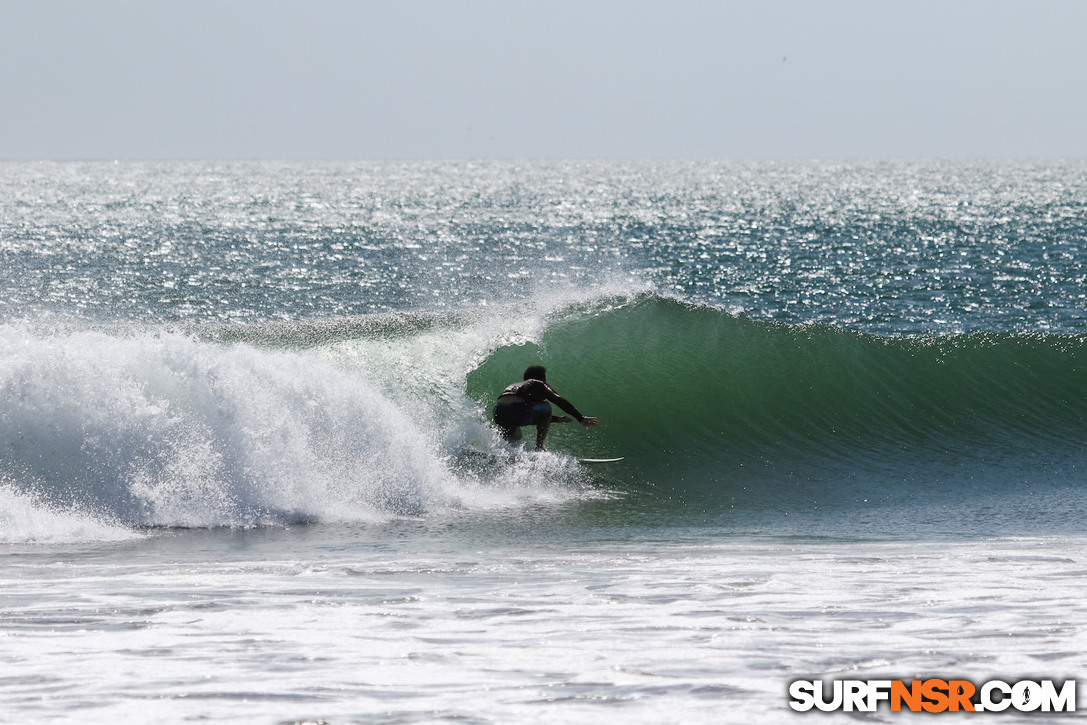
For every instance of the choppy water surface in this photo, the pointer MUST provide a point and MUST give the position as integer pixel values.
(879, 246)
(246, 472)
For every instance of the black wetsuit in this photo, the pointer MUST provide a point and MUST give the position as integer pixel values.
(534, 395)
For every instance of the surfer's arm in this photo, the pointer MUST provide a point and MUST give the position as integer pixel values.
(568, 407)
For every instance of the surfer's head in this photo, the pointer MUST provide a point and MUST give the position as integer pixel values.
(536, 372)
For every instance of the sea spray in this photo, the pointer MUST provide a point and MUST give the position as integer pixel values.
(26, 519)
(161, 429)
(293, 425)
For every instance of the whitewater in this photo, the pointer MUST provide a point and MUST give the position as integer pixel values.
(247, 472)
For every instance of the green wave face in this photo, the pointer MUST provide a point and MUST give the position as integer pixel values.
(702, 401)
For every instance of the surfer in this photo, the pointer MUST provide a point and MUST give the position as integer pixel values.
(526, 403)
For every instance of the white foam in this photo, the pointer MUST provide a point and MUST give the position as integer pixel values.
(23, 520)
(165, 430)
(161, 429)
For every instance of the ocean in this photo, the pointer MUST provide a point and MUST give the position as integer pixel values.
(247, 473)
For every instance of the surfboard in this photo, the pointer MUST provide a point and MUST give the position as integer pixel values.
(599, 460)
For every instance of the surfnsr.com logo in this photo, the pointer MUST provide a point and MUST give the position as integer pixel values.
(933, 695)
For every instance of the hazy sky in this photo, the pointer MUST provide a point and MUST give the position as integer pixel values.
(241, 79)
